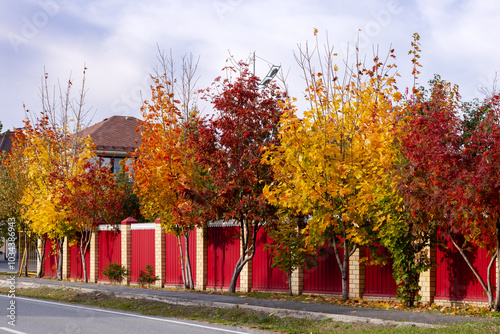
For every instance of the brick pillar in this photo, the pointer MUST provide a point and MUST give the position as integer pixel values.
(159, 253)
(94, 257)
(356, 274)
(38, 260)
(247, 271)
(427, 279)
(66, 259)
(201, 258)
(297, 281)
(126, 242)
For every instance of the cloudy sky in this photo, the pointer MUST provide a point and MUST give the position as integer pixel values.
(117, 40)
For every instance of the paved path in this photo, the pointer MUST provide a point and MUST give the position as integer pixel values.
(340, 313)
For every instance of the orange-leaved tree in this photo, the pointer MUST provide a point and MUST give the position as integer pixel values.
(165, 170)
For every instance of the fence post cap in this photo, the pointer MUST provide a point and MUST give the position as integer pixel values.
(157, 221)
(129, 220)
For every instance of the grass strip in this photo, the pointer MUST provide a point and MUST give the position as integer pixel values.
(238, 317)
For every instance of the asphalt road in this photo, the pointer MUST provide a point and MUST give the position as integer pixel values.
(33, 316)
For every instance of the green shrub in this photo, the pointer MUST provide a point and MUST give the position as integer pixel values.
(147, 277)
(115, 272)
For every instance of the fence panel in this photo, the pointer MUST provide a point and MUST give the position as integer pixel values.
(142, 250)
(379, 280)
(50, 262)
(173, 274)
(326, 277)
(455, 280)
(109, 250)
(223, 253)
(264, 276)
(76, 266)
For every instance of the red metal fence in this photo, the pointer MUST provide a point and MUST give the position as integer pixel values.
(109, 250)
(76, 266)
(223, 253)
(455, 280)
(264, 277)
(50, 262)
(379, 280)
(173, 273)
(142, 251)
(326, 277)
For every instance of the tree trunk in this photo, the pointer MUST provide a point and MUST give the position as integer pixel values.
(59, 258)
(487, 287)
(289, 274)
(41, 256)
(343, 267)
(248, 251)
(189, 273)
(497, 299)
(237, 270)
(183, 272)
(84, 262)
(25, 267)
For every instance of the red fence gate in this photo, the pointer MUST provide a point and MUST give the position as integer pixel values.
(264, 277)
(173, 274)
(109, 249)
(142, 249)
(379, 280)
(223, 253)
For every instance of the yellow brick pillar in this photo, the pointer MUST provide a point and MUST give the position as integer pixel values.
(159, 254)
(201, 258)
(125, 245)
(94, 256)
(66, 259)
(297, 281)
(357, 274)
(427, 279)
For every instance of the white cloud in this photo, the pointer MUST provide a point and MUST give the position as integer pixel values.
(117, 40)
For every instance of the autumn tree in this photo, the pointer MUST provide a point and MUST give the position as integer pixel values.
(229, 146)
(90, 197)
(49, 143)
(325, 157)
(479, 188)
(165, 169)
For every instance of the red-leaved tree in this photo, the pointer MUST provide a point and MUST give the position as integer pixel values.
(229, 145)
(90, 197)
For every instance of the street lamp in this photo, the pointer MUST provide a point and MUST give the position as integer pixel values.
(273, 71)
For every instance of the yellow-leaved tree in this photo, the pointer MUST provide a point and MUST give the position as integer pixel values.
(49, 146)
(325, 158)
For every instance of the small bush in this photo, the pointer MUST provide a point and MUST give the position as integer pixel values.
(115, 272)
(147, 277)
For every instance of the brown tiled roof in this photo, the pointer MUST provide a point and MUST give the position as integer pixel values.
(116, 133)
(6, 140)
